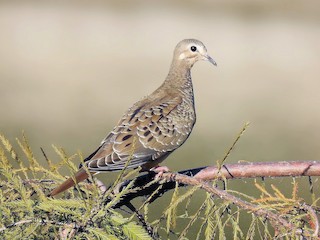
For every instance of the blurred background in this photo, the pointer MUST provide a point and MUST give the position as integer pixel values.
(68, 70)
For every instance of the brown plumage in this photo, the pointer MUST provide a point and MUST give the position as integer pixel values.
(153, 127)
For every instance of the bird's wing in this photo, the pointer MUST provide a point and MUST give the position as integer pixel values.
(146, 132)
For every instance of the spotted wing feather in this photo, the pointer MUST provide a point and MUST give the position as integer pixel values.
(145, 133)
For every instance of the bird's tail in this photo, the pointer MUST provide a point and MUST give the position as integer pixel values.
(80, 176)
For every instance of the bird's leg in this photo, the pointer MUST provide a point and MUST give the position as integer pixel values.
(159, 170)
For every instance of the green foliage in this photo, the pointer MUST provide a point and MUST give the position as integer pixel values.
(27, 213)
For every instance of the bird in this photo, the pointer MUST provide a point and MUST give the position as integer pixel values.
(154, 127)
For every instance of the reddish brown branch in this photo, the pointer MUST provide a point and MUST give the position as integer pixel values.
(275, 219)
(227, 171)
(261, 169)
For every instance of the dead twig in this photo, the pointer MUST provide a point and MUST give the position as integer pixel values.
(275, 219)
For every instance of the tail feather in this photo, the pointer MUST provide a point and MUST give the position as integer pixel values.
(80, 176)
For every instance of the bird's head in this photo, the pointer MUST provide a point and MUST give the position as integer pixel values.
(189, 51)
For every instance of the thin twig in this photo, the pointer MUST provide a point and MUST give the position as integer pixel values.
(314, 218)
(30, 221)
(244, 128)
(257, 210)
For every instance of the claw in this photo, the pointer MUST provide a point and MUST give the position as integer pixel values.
(159, 170)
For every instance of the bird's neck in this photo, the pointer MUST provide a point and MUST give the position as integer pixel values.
(179, 78)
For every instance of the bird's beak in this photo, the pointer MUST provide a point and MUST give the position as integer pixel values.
(210, 59)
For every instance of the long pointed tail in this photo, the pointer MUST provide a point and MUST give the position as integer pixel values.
(80, 176)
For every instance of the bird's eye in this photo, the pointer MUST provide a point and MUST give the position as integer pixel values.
(193, 48)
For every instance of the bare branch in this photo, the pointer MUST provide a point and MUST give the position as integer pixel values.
(261, 169)
(226, 171)
(313, 218)
(275, 219)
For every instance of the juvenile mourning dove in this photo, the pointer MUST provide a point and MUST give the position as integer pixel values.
(153, 127)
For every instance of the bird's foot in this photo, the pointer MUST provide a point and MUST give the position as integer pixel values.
(159, 170)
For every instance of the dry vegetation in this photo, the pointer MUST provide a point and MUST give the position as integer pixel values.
(87, 213)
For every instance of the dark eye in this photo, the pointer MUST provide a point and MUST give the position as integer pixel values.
(193, 48)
